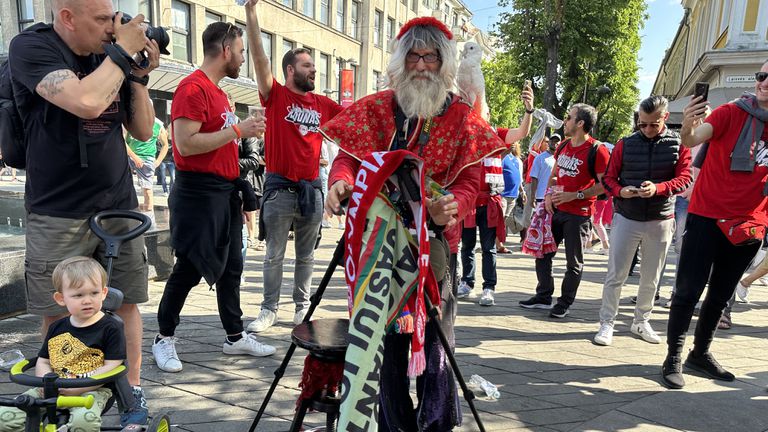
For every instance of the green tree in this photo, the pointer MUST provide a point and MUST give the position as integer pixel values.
(576, 51)
(503, 99)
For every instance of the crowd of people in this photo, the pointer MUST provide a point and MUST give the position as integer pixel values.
(297, 161)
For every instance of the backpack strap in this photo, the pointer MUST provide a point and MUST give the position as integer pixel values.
(71, 61)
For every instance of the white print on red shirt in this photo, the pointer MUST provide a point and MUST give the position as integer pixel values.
(307, 119)
(761, 156)
(569, 165)
(229, 118)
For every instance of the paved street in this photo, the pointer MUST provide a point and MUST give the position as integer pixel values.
(551, 377)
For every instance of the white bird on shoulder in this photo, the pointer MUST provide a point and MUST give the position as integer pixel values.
(470, 80)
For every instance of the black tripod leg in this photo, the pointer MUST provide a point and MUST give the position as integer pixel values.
(469, 395)
(314, 301)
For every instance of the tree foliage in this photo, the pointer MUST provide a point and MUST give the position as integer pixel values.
(503, 99)
(574, 51)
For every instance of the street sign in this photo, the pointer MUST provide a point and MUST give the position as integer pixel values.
(733, 79)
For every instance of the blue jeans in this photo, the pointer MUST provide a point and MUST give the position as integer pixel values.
(487, 244)
(280, 210)
(171, 167)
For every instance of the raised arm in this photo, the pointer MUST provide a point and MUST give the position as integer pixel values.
(261, 64)
(522, 131)
(694, 131)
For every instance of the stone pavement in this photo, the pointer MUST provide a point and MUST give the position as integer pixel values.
(551, 377)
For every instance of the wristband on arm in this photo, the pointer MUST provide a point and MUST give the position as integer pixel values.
(237, 131)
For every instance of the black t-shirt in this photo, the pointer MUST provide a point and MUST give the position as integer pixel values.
(56, 183)
(75, 352)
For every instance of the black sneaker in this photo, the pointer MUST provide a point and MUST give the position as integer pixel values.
(558, 311)
(672, 373)
(535, 303)
(633, 299)
(707, 365)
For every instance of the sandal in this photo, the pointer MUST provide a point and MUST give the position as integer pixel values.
(725, 323)
(503, 250)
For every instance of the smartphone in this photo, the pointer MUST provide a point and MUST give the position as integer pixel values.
(527, 84)
(701, 89)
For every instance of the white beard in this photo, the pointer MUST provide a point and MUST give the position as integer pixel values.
(420, 97)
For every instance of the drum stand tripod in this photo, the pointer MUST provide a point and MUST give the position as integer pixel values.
(432, 311)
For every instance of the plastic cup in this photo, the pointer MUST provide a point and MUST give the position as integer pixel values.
(256, 111)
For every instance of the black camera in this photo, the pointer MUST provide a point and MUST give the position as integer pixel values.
(157, 34)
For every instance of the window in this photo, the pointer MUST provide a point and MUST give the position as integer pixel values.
(405, 2)
(2, 40)
(322, 72)
(340, 5)
(287, 46)
(446, 12)
(309, 8)
(425, 3)
(288, 3)
(415, 5)
(390, 32)
(26, 13)
(133, 8)
(354, 80)
(266, 41)
(325, 11)
(354, 15)
(455, 20)
(378, 16)
(211, 18)
(245, 68)
(376, 80)
(180, 34)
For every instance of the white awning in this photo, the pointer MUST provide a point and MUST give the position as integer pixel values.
(168, 75)
(717, 96)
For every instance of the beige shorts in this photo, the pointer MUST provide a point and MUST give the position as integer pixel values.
(50, 240)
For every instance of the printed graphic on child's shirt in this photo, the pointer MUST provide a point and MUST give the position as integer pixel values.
(761, 154)
(307, 119)
(70, 358)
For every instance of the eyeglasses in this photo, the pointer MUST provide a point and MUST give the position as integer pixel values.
(428, 58)
(647, 125)
(761, 76)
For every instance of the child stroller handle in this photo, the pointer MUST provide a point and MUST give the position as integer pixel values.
(114, 241)
(19, 377)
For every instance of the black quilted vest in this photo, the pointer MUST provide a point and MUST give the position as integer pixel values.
(648, 159)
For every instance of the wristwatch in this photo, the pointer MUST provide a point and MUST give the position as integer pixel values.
(580, 195)
(529, 112)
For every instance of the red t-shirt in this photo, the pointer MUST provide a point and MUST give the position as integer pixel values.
(529, 163)
(573, 174)
(199, 99)
(292, 141)
(721, 193)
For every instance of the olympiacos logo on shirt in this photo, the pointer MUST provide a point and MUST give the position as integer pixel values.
(307, 119)
(569, 166)
(229, 118)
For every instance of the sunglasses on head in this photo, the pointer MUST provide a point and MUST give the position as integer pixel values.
(761, 76)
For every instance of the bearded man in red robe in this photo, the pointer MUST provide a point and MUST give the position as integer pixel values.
(419, 113)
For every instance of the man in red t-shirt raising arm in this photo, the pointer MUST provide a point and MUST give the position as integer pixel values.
(731, 187)
(206, 208)
(292, 187)
(571, 204)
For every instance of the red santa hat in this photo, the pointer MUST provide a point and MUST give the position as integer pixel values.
(426, 22)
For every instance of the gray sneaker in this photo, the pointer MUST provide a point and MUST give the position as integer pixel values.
(464, 290)
(487, 298)
(265, 320)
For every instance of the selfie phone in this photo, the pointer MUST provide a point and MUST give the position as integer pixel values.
(527, 84)
(702, 89)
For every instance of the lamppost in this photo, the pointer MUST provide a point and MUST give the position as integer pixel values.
(344, 81)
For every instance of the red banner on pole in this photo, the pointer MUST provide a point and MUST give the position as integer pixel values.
(347, 87)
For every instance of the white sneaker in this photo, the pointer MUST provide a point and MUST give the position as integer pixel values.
(742, 291)
(645, 331)
(325, 224)
(464, 290)
(604, 336)
(249, 345)
(298, 317)
(165, 355)
(341, 225)
(265, 320)
(487, 298)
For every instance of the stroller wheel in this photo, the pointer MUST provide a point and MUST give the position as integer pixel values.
(159, 423)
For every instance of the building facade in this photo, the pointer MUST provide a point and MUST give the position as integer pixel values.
(342, 34)
(722, 42)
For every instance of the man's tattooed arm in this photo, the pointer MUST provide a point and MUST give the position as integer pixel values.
(111, 95)
(51, 85)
